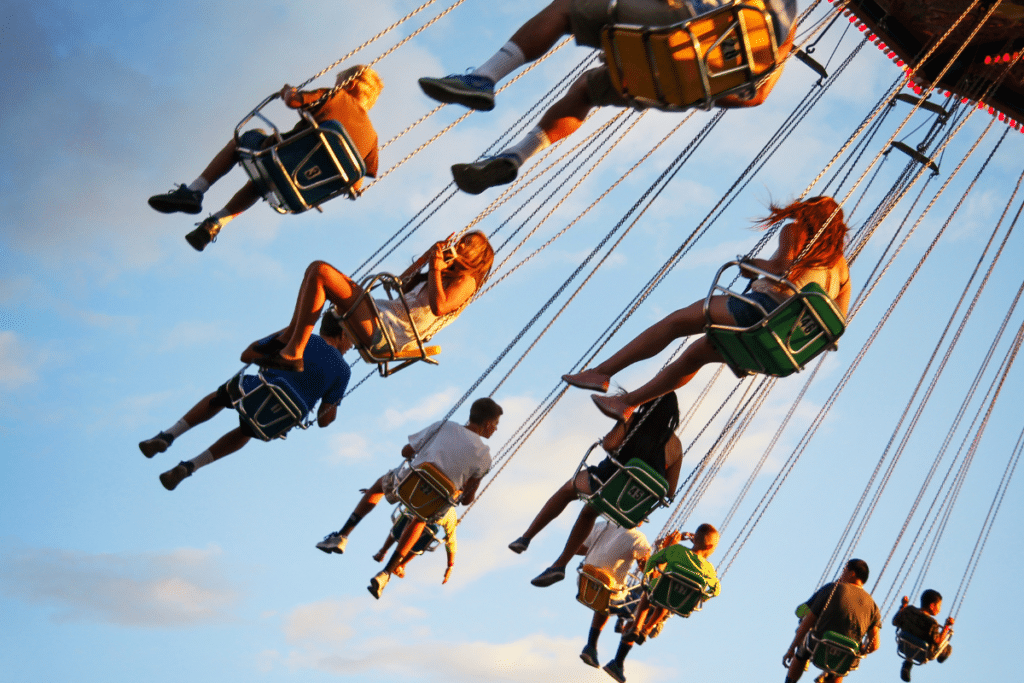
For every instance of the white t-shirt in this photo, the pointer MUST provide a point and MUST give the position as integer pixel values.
(614, 549)
(458, 452)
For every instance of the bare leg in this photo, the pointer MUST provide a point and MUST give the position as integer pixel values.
(242, 200)
(539, 34)
(202, 411)
(229, 443)
(366, 504)
(643, 609)
(219, 166)
(410, 535)
(580, 530)
(554, 507)
(321, 282)
(676, 374)
(388, 542)
(566, 115)
(796, 669)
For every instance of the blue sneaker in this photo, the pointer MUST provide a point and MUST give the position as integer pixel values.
(549, 576)
(589, 656)
(614, 669)
(475, 92)
(476, 177)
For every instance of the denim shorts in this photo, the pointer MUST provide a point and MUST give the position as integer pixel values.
(746, 315)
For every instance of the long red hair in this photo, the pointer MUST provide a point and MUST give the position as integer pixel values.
(810, 215)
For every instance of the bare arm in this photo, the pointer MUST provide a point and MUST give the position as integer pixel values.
(326, 415)
(873, 640)
(673, 462)
(806, 624)
(787, 251)
(469, 492)
(843, 300)
(446, 300)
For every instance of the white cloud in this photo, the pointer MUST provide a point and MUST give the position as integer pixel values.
(348, 447)
(180, 588)
(18, 361)
(188, 334)
(431, 407)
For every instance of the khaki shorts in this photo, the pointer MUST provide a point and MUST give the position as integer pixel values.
(588, 17)
(389, 483)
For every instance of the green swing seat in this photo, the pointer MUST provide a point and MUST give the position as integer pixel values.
(680, 590)
(305, 169)
(270, 409)
(390, 360)
(630, 494)
(786, 339)
(834, 653)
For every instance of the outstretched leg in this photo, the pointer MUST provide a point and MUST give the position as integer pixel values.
(225, 445)
(580, 530)
(410, 535)
(555, 505)
(203, 410)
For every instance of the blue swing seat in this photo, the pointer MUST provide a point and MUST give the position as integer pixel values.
(270, 409)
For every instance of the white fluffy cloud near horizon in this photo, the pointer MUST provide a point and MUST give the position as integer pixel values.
(179, 588)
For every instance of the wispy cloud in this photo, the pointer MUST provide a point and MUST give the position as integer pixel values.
(180, 588)
(18, 362)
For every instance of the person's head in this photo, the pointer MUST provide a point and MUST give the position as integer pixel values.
(474, 256)
(333, 333)
(931, 602)
(856, 572)
(484, 415)
(366, 86)
(808, 216)
(650, 427)
(705, 539)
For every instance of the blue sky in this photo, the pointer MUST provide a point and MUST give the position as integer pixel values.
(111, 327)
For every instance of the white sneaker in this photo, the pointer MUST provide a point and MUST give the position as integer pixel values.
(377, 584)
(333, 543)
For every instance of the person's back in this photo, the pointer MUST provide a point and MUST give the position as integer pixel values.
(613, 548)
(325, 375)
(458, 452)
(844, 608)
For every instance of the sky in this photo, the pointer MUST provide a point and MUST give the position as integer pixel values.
(111, 327)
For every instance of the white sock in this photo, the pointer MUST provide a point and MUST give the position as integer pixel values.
(199, 185)
(179, 428)
(505, 61)
(534, 141)
(203, 459)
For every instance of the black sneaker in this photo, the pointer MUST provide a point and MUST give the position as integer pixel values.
(476, 177)
(549, 576)
(174, 476)
(614, 669)
(475, 92)
(905, 670)
(181, 200)
(519, 545)
(204, 233)
(158, 444)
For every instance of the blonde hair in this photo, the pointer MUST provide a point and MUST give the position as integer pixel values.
(365, 86)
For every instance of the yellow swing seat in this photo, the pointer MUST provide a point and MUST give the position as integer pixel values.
(693, 63)
(427, 492)
(596, 587)
(403, 357)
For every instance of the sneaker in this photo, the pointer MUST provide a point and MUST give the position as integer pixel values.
(589, 656)
(905, 670)
(476, 177)
(174, 476)
(475, 92)
(377, 584)
(204, 233)
(614, 669)
(158, 444)
(519, 545)
(180, 199)
(549, 576)
(333, 543)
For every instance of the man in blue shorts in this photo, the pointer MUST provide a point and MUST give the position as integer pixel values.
(324, 378)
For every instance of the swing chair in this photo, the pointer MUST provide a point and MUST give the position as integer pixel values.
(596, 587)
(783, 341)
(680, 590)
(426, 492)
(833, 653)
(303, 170)
(917, 650)
(270, 409)
(428, 540)
(631, 493)
(695, 62)
(383, 358)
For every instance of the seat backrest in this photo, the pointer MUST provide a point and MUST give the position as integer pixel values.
(911, 647)
(681, 591)
(630, 494)
(835, 653)
(791, 336)
(271, 409)
(595, 588)
(427, 492)
(693, 62)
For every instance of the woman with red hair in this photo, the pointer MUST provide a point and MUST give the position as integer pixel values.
(816, 227)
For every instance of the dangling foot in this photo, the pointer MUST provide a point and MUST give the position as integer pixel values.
(204, 233)
(589, 656)
(519, 545)
(333, 543)
(549, 576)
(267, 346)
(905, 670)
(378, 557)
(591, 380)
(399, 572)
(377, 584)
(278, 362)
(476, 177)
(613, 407)
(174, 476)
(614, 669)
(158, 444)
(475, 92)
(179, 199)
